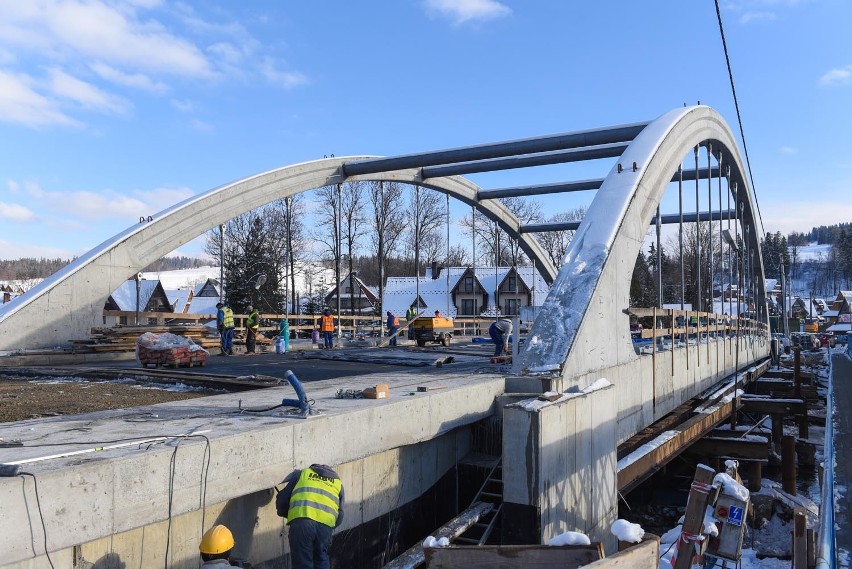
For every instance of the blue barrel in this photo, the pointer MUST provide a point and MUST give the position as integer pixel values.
(280, 345)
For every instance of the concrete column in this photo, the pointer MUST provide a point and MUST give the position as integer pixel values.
(559, 467)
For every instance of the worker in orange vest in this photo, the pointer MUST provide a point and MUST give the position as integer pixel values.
(327, 329)
(393, 327)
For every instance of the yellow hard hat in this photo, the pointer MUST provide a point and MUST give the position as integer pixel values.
(218, 539)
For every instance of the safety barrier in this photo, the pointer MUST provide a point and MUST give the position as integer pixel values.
(826, 558)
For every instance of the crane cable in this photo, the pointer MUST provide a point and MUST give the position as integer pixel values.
(737, 107)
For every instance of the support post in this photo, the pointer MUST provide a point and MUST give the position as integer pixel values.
(689, 548)
(788, 464)
(755, 475)
(800, 539)
(777, 429)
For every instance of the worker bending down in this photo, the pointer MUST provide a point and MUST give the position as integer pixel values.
(500, 332)
(312, 502)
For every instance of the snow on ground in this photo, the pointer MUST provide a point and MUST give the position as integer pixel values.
(183, 278)
(814, 252)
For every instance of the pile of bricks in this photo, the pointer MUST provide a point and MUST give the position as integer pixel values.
(171, 357)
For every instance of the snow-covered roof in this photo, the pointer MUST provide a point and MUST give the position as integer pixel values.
(720, 307)
(840, 327)
(400, 292)
(770, 284)
(125, 295)
(178, 298)
(203, 305)
(831, 313)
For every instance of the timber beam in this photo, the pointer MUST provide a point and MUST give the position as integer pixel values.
(742, 448)
(771, 406)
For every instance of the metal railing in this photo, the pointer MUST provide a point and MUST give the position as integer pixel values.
(826, 557)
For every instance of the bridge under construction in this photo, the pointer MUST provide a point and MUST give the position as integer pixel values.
(557, 420)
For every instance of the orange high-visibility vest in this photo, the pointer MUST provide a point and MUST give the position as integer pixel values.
(327, 323)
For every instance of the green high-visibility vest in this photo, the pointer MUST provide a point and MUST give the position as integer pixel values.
(227, 317)
(315, 497)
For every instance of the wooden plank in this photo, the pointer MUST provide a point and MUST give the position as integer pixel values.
(505, 556)
(415, 555)
(643, 555)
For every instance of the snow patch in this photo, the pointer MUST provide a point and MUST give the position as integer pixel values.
(569, 538)
(626, 531)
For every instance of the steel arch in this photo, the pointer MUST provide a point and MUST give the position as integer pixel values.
(74, 297)
(573, 334)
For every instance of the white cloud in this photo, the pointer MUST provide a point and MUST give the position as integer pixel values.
(20, 103)
(12, 250)
(34, 189)
(159, 199)
(757, 16)
(801, 216)
(287, 80)
(13, 186)
(15, 212)
(183, 106)
(101, 31)
(836, 76)
(85, 94)
(788, 150)
(201, 126)
(461, 11)
(135, 80)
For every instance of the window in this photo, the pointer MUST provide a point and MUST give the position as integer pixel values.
(467, 307)
(511, 307)
(512, 283)
(468, 285)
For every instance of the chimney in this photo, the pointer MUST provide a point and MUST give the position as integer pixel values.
(434, 269)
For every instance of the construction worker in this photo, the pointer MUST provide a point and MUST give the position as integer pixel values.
(252, 326)
(438, 314)
(327, 329)
(312, 502)
(393, 327)
(410, 315)
(500, 332)
(216, 546)
(225, 325)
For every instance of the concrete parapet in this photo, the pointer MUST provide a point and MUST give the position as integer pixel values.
(119, 501)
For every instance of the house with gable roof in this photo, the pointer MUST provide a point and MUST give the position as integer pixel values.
(839, 315)
(467, 291)
(152, 298)
(353, 292)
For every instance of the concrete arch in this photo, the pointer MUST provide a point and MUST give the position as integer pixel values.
(573, 334)
(66, 305)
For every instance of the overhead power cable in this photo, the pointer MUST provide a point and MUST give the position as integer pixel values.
(737, 107)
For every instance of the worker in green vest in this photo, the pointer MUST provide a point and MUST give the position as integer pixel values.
(252, 326)
(410, 315)
(312, 502)
(225, 325)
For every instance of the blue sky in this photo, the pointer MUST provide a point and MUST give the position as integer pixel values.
(111, 110)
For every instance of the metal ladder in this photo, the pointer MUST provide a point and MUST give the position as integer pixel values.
(491, 491)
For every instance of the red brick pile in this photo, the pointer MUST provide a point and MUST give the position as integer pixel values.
(171, 357)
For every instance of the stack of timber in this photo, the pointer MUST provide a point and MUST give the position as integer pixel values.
(123, 338)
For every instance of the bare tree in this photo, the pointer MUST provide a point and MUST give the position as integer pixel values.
(459, 256)
(353, 227)
(288, 215)
(494, 244)
(427, 216)
(555, 243)
(388, 223)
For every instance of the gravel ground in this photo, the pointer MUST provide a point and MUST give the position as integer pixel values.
(30, 399)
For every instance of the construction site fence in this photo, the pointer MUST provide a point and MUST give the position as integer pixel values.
(299, 324)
